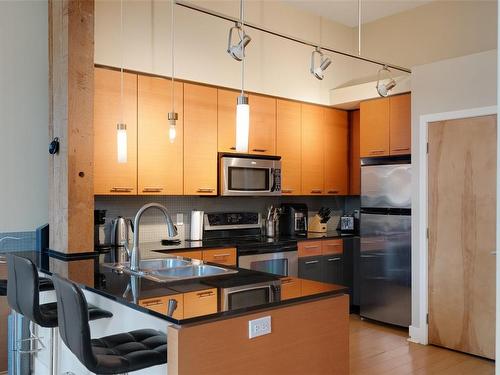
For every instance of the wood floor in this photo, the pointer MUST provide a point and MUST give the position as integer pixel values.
(378, 349)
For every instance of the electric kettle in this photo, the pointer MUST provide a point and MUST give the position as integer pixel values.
(120, 227)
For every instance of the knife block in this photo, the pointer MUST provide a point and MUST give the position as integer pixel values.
(316, 226)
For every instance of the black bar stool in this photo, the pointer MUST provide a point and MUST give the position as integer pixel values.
(116, 354)
(23, 295)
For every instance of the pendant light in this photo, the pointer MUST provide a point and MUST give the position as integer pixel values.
(242, 107)
(384, 88)
(172, 116)
(121, 127)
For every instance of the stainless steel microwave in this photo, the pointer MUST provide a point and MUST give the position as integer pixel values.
(249, 175)
(242, 296)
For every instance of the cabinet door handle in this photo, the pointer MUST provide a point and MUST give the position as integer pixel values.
(221, 255)
(205, 190)
(259, 150)
(333, 191)
(333, 259)
(121, 189)
(152, 189)
(401, 149)
(312, 262)
(232, 148)
(376, 151)
(286, 191)
(153, 302)
(311, 247)
(316, 191)
(205, 294)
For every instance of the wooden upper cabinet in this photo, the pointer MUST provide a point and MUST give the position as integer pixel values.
(288, 145)
(400, 124)
(111, 177)
(262, 137)
(336, 138)
(374, 127)
(354, 162)
(200, 140)
(313, 158)
(226, 111)
(160, 162)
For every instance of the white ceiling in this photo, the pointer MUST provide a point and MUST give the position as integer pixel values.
(346, 11)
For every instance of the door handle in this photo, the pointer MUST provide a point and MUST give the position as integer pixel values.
(259, 150)
(205, 190)
(492, 253)
(312, 262)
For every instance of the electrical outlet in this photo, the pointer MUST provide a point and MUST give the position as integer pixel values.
(259, 327)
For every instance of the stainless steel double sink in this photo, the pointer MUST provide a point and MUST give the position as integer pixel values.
(172, 268)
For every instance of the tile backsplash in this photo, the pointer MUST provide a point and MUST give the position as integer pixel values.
(152, 223)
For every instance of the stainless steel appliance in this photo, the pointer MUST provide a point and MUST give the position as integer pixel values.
(385, 231)
(249, 175)
(293, 219)
(196, 223)
(120, 228)
(255, 252)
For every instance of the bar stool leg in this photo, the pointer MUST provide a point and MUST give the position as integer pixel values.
(53, 351)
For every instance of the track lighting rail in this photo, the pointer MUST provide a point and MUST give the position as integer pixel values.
(188, 5)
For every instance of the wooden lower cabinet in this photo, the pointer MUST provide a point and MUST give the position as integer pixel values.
(160, 305)
(202, 302)
(311, 268)
(335, 246)
(291, 287)
(196, 254)
(322, 261)
(309, 248)
(225, 256)
(200, 140)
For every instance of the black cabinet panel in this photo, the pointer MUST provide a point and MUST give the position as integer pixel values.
(333, 269)
(310, 268)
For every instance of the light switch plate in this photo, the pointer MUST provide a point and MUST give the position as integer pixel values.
(259, 327)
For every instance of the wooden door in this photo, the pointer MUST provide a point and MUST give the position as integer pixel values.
(400, 124)
(374, 127)
(200, 140)
(111, 177)
(313, 158)
(262, 137)
(336, 152)
(354, 160)
(288, 145)
(461, 215)
(160, 164)
(226, 112)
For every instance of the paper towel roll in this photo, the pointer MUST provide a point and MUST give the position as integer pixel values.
(196, 225)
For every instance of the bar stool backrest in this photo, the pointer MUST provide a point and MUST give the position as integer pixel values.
(73, 317)
(22, 288)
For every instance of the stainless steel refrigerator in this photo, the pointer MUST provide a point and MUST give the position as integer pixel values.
(385, 230)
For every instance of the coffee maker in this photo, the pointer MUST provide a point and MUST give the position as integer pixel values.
(293, 219)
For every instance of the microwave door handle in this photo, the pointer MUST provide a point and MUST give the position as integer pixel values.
(272, 180)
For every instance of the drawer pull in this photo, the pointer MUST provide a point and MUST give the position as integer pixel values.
(286, 281)
(286, 191)
(401, 149)
(333, 191)
(259, 150)
(377, 151)
(119, 189)
(316, 191)
(221, 255)
(312, 262)
(152, 189)
(311, 247)
(232, 148)
(205, 190)
(333, 259)
(205, 294)
(153, 302)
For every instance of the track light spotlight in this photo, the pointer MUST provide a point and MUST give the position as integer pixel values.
(384, 88)
(237, 50)
(324, 63)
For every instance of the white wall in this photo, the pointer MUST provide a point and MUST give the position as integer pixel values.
(23, 115)
(456, 84)
(274, 66)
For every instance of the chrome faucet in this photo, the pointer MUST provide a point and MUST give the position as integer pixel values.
(135, 255)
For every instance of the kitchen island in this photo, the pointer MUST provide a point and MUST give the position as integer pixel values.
(308, 325)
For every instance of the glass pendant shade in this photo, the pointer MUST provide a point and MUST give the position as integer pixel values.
(172, 132)
(121, 142)
(242, 123)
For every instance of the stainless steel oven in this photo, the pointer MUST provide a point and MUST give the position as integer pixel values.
(276, 259)
(242, 296)
(249, 175)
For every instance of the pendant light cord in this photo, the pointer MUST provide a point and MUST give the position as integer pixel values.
(172, 41)
(121, 61)
(242, 34)
(359, 27)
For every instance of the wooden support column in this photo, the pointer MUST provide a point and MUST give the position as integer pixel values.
(71, 86)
